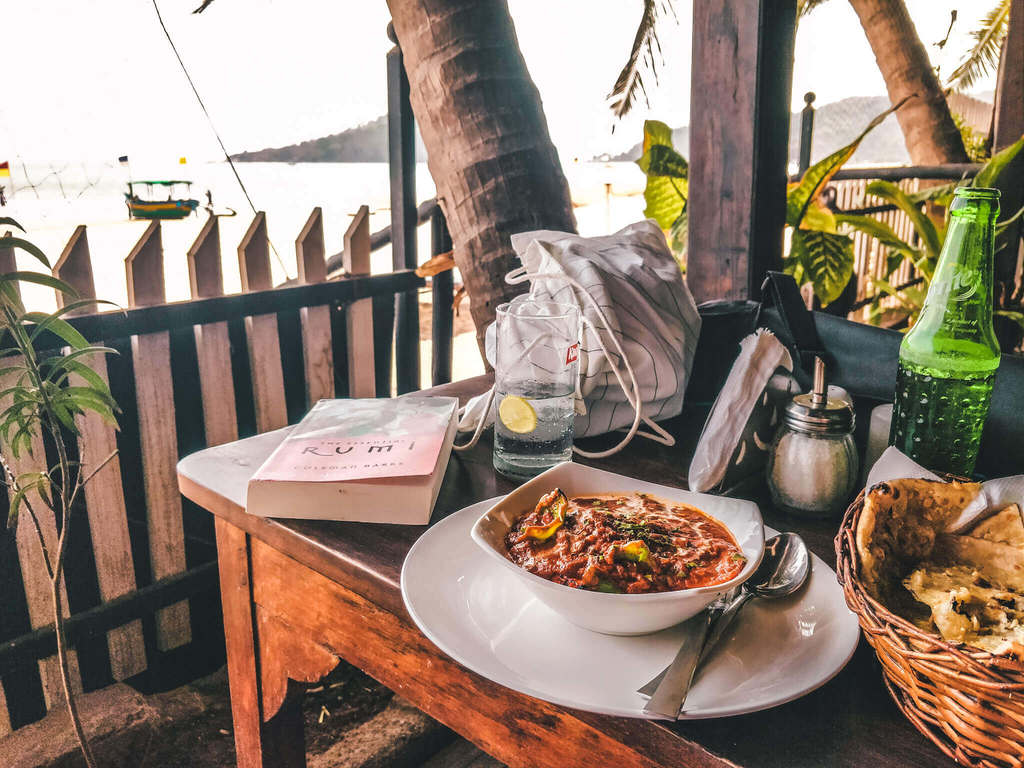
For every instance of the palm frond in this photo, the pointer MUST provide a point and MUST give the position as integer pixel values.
(983, 56)
(645, 55)
(804, 7)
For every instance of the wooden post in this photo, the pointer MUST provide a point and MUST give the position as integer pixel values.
(402, 167)
(361, 367)
(144, 269)
(316, 321)
(264, 343)
(154, 394)
(1007, 127)
(104, 494)
(205, 275)
(441, 289)
(739, 124)
(74, 267)
(213, 346)
(806, 131)
(108, 526)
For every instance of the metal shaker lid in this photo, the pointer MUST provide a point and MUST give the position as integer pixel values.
(815, 412)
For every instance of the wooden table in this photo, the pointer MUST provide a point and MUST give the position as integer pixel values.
(300, 595)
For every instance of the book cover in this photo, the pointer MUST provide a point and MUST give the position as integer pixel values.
(363, 439)
(372, 460)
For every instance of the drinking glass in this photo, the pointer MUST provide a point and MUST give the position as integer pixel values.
(536, 368)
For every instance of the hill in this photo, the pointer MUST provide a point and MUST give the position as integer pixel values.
(835, 125)
(367, 143)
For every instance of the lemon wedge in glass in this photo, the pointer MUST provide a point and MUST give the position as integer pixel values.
(517, 414)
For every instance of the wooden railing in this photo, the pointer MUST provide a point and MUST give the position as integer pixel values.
(141, 574)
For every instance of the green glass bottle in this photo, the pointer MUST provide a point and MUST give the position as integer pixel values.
(948, 360)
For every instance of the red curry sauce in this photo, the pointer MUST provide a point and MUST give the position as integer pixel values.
(623, 542)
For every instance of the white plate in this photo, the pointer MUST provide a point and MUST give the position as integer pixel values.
(488, 621)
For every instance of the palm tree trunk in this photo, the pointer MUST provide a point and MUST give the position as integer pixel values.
(928, 129)
(488, 147)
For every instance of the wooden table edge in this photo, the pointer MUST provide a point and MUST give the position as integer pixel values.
(658, 745)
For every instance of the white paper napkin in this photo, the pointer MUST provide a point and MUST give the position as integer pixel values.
(995, 495)
(761, 354)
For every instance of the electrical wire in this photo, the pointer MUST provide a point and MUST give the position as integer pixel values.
(213, 127)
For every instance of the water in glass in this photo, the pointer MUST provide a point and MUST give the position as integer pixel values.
(536, 367)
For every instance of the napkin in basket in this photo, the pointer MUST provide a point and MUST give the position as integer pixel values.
(995, 494)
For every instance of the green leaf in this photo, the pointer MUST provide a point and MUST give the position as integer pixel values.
(911, 298)
(923, 225)
(661, 160)
(678, 239)
(827, 260)
(940, 195)
(11, 297)
(656, 133)
(799, 196)
(819, 217)
(39, 278)
(55, 325)
(1005, 224)
(791, 266)
(884, 234)
(990, 171)
(666, 199)
(667, 191)
(1017, 317)
(25, 245)
(12, 511)
(7, 221)
(66, 418)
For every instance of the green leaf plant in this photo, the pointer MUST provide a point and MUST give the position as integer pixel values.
(667, 188)
(45, 384)
(821, 248)
(923, 249)
(819, 254)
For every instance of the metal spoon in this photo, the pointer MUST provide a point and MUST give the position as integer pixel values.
(783, 570)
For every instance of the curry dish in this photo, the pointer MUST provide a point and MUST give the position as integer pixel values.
(623, 542)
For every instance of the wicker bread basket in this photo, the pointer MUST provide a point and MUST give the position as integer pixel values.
(967, 701)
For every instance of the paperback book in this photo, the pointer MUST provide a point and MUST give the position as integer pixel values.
(366, 460)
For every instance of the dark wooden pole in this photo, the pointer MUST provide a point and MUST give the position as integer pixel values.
(806, 131)
(741, 84)
(442, 285)
(1007, 127)
(402, 166)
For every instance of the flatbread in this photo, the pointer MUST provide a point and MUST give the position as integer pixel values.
(898, 526)
(997, 562)
(967, 608)
(1005, 527)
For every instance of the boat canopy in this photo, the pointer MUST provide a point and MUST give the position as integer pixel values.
(162, 183)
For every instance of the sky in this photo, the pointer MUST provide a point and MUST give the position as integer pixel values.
(89, 81)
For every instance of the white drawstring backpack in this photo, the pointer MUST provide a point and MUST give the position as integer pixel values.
(640, 328)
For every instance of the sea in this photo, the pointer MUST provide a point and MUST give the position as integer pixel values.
(51, 200)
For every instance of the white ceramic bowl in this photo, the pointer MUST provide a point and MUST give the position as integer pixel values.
(617, 614)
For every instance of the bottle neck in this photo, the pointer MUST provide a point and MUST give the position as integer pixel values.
(961, 287)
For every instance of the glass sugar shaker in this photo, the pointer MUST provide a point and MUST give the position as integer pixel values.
(813, 465)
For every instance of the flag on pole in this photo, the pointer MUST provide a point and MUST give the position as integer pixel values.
(123, 159)
(5, 170)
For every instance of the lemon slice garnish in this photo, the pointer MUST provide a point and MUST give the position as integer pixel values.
(517, 414)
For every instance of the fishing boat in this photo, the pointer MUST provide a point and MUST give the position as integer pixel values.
(149, 207)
